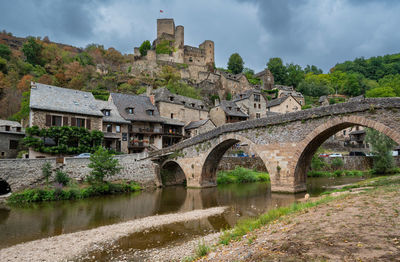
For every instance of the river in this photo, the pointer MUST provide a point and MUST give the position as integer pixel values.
(21, 224)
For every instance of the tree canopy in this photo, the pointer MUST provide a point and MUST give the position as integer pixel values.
(144, 47)
(235, 63)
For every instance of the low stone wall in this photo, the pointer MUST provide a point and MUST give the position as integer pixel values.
(357, 162)
(229, 163)
(26, 173)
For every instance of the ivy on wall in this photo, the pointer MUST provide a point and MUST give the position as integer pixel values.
(63, 139)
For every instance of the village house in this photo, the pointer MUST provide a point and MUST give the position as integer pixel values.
(283, 105)
(11, 133)
(56, 106)
(146, 126)
(227, 112)
(267, 79)
(253, 103)
(182, 108)
(115, 127)
(289, 90)
(195, 128)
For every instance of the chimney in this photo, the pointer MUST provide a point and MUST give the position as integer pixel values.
(216, 102)
(149, 90)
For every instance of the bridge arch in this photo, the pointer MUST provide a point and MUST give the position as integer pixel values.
(4, 187)
(314, 140)
(172, 173)
(215, 154)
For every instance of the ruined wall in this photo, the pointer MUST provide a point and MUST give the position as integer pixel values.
(26, 173)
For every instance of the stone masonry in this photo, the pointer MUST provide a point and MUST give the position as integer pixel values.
(27, 173)
(285, 143)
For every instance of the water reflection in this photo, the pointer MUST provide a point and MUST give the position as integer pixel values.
(20, 224)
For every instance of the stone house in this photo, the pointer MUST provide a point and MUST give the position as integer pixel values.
(195, 128)
(267, 79)
(145, 130)
(253, 103)
(115, 127)
(56, 106)
(182, 108)
(11, 133)
(285, 104)
(289, 90)
(227, 112)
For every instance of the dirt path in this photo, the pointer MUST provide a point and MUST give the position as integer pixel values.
(69, 246)
(360, 227)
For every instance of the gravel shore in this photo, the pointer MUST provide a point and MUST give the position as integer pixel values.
(69, 246)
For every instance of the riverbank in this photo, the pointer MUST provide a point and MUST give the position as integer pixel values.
(74, 245)
(355, 226)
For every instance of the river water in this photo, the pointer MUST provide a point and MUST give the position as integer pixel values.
(21, 224)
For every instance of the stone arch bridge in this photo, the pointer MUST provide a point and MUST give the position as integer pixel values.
(285, 143)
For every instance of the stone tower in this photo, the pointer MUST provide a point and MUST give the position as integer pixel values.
(166, 25)
(208, 46)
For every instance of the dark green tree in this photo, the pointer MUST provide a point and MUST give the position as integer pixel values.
(144, 47)
(5, 52)
(32, 51)
(278, 70)
(235, 63)
(381, 148)
(312, 69)
(103, 164)
(294, 75)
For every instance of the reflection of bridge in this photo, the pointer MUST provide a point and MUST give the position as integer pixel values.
(285, 143)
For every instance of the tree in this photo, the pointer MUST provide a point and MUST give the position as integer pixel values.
(32, 51)
(144, 47)
(25, 83)
(278, 70)
(5, 52)
(235, 63)
(103, 165)
(312, 69)
(381, 148)
(315, 85)
(386, 91)
(294, 75)
(46, 172)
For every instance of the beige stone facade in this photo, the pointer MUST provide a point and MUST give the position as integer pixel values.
(181, 112)
(286, 105)
(254, 104)
(199, 127)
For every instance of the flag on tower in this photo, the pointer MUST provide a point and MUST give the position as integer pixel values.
(161, 11)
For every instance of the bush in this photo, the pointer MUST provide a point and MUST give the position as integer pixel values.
(46, 171)
(62, 178)
(337, 162)
(241, 175)
(103, 165)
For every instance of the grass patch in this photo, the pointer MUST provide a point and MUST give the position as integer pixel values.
(248, 225)
(241, 175)
(59, 193)
(338, 173)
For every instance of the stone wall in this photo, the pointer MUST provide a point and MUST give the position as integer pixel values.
(27, 173)
(229, 163)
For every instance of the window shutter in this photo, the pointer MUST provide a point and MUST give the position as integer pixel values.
(88, 124)
(48, 120)
(73, 121)
(65, 120)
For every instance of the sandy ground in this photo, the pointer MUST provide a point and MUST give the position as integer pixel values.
(360, 227)
(70, 246)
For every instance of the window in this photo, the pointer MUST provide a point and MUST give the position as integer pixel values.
(80, 122)
(256, 98)
(3, 153)
(230, 108)
(301, 102)
(13, 144)
(56, 120)
(259, 106)
(107, 112)
(190, 59)
(151, 140)
(183, 102)
(258, 115)
(238, 109)
(131, 110)
(150, 112)
(118, 129)
(172, 116)
(7, 128)
(255, 105)
(192, 104)
(344, 132)
(171, 98)
(18, 129)
(202, 107)
(287, 106)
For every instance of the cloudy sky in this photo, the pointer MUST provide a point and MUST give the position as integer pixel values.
(319, 32)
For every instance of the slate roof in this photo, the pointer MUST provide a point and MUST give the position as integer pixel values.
(53, 98)
(170, 121)
(141, 105)
(235, 77)
(276, 102)
(9, 123)
(163, 95)
(231, 109)
(357, 132)
(322, 99)
(114, 116)
(247, 94)
(196, 124)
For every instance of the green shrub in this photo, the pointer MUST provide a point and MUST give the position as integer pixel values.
(62, 178)
(46, 172)
(202, 250)
(241, 175)
(337, 162)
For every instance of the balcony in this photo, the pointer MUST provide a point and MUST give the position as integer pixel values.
(138, 144)
(172, 132)
(146, 130)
